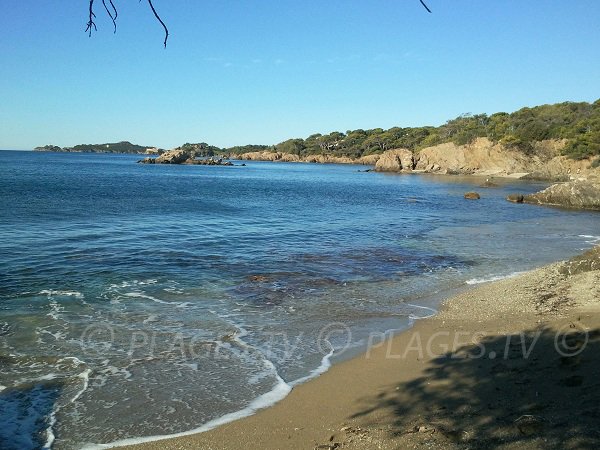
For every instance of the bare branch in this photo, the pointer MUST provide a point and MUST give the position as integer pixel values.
(91, 23)
(161, 22)
(425, 6)
(113, 18)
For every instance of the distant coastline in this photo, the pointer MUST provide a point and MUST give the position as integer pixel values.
(548, 142)
(116, 147)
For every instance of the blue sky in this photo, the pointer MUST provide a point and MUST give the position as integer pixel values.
(262, 71)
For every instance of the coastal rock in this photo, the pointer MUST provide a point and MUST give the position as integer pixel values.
(396, 160)
(488, 184)
(586, 262)
(573, 194)
(261, 156)
(515, 198)
(208, 162)
(147, 161)
(176, 156)
(369, 160)
(472, 196)
(481, 157)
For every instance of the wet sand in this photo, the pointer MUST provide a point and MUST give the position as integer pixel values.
(509, 364)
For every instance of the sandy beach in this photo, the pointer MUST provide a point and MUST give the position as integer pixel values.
(508, 364)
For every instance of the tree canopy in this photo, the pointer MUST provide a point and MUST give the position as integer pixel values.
(579, 123)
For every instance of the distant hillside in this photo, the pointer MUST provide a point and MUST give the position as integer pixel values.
(577, 123)
(117, 147)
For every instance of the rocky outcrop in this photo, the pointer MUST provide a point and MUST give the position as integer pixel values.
(574, 194)
(290, 157)
(515, 198)
(369, 160)
(261, 156)
(208, 162)
(396, 160)
(176, 156)
(481, 157)
(184, 156)
(472, 196)
(586, 262)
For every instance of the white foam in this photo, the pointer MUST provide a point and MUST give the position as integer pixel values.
(432, 312)
(493, 278)
(150, 318)
(52, 293)
(154, 299)
(589, 239)
(85, 376)
(323, 367)
(55, 310)
(279, 391)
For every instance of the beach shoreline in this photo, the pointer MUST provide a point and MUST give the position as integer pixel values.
(503, 364)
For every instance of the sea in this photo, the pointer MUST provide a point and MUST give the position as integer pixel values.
(139, 301)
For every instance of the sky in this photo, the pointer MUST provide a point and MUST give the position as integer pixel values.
(259, 72)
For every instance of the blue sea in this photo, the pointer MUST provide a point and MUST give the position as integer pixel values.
(148, 300)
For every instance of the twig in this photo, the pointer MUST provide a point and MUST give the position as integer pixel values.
(113, 18)
(425, 6)
(91, 23)
(161, 22)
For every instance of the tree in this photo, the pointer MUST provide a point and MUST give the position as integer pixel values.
(113, 14)
(111, 11)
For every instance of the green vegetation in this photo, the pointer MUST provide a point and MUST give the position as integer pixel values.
(48, 148)
(578, 123)
(201, 149)
(117, 147)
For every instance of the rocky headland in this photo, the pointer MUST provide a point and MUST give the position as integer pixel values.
(482, 157)
(578, 194)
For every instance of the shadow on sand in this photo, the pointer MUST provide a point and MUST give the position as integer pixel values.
(540, 389)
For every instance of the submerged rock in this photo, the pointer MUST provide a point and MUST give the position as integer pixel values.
(489, 184)
(472, 196)
(574, 194)
(515, 198)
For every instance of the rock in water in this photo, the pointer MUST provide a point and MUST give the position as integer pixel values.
(515, 198)
(176, 156)
(488, 184)
(573, 194)
(472, 196)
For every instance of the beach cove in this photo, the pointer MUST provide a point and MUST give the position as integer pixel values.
(509, 364)
(149, 300)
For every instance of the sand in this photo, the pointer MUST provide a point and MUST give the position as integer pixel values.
(509, 365)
